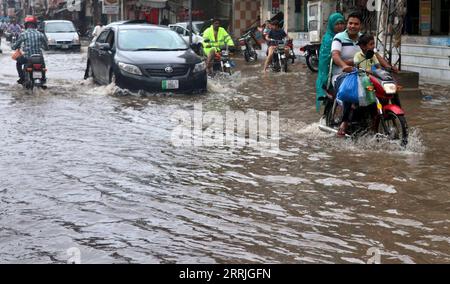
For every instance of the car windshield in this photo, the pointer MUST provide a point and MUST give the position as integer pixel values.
(150, 39)
(197, 27)
(59, 28)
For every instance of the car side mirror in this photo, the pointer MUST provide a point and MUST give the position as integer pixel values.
(104, 46)
(370, 54)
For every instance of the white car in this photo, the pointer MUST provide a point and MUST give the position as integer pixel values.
(61, 34)
(182, 29)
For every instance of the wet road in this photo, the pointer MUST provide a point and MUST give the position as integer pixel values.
(83, 169)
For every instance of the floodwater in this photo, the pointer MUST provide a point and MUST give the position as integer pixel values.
(86, 172)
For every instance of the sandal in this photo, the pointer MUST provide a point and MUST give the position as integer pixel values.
(342, 132)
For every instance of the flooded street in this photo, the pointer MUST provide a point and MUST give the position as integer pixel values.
(84, 168)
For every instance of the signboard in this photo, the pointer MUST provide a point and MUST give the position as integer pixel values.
(425, 17)
(275, 6)
(111, 7)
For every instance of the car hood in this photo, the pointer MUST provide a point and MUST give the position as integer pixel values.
(158, 57)
(61, 36)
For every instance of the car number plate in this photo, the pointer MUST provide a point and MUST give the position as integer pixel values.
(37, 74)
(170, 84)
(64, 46)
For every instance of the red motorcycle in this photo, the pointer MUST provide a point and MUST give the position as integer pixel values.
(385, 118)
(292, 55)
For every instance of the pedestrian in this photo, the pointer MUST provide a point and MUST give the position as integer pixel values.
(98, 29)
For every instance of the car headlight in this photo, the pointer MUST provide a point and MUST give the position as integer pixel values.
(76, 40)
(199, 67)
(390, 88)
(132, 69)
(51, 40)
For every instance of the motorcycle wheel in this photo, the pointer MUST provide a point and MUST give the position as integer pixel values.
(313, 62)
(247, 56)
(394, 127)
(284, 63)
(228, 71)
(276, 67)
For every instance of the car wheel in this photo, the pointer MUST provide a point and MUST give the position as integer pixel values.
(91, 71)
(112, 77)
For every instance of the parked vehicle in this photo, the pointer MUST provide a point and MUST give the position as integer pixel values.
(35, 73)
(139, 56)
(311, 53)
(61, 35)
(292, 55)
(183, 30)
(247, 44)
(389, 120)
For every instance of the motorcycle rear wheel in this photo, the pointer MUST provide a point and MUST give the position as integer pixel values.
(313, 62)
(394, 127)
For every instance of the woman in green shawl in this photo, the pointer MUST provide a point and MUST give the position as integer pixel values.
(336, 24)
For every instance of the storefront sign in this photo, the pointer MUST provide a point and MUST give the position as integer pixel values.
(275, 6)
(425, 17)
(111, 7)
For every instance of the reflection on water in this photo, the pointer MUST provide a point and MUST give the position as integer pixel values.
(85, 167)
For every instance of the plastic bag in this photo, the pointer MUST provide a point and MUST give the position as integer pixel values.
(16, 54)
(367, 92)
(355, 88)
(348, 90)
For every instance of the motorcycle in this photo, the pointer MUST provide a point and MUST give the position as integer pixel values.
(311, 53)
(292, 55)
(279, 60)
(35, 73)
(389, 120)
(222, 61)
(248, 47)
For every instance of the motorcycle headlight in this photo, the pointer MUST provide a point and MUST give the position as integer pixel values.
(390, 88)
(199, 67)
(132, 69)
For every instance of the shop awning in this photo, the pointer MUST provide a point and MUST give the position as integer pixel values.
(154, 3)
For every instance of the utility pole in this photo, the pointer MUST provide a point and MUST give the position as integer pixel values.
(190, 22)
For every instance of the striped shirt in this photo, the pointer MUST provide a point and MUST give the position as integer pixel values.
(346, 46)
(31, 41)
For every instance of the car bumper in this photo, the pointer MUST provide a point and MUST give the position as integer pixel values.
(64, 46)
(190, 83)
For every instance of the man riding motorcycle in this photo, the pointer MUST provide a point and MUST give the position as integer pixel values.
(217, 37)
(13, 29)
(31, 42)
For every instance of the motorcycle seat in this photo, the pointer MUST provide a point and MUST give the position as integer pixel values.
(36, 59)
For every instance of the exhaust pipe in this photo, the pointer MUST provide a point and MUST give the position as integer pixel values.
(331, 130)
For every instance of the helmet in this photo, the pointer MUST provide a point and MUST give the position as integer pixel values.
(31, 20)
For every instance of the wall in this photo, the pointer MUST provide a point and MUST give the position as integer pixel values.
(245, 13)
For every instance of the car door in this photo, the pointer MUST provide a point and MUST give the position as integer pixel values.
(106, 57)
(94, 55)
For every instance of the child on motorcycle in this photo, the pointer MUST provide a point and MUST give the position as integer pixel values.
(366, 42)
(277, 34)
